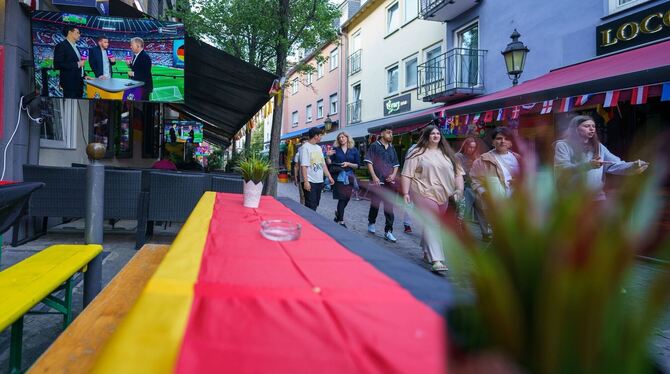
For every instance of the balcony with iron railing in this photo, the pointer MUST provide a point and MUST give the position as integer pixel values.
(355, 62)
(444, 10)
(354, 112)
(455, 74)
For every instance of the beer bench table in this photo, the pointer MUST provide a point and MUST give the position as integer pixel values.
(75, 350)
(226, 299)
(34, 280)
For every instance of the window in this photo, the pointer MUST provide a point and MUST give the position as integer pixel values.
(410, 72)
(308, 79)
(294, 86)
(392, 18)
(356, 92)
(619, 5)
(411, 9)
(319, 70)
(467, 65)
(392, 79)
(319, 109)
(294, 119)
(308, 113)
(354, 108)
(59, 125)
(333, 104)
(334, 61)
(434, 64)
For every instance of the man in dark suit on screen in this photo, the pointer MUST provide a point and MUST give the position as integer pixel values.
(140, 68)
(101, 63)
(68, 60)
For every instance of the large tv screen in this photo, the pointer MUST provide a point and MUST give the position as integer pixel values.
(182, 131)
(98, 57)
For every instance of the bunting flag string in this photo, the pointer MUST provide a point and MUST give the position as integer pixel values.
(611, 98)
(665, 93)
(639, 95)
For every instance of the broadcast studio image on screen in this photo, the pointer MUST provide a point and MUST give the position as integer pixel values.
(98, 57)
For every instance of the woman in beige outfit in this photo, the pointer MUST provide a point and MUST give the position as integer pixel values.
(430, 176)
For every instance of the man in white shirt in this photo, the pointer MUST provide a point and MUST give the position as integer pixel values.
(313, 168)
(297, 170)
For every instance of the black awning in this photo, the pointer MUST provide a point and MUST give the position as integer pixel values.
(221, 89)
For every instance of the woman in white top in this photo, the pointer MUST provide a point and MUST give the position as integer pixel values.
(430, 176)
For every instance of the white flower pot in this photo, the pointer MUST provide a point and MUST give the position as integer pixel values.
(252, 194)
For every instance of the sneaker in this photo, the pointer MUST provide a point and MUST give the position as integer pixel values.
(438, 267)
(408, 229)
(343, 225)
(371, 228)
(389, 236)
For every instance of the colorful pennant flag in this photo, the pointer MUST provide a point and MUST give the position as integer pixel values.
(475, 120)
(566, 105)
(605, 113)
(528, 107)
(547, 106)
(582, 99)
(665, 93)
(501, 114)
(515, 112)
(639, 95)
(488, 117)
(611, 98)
(467, 119)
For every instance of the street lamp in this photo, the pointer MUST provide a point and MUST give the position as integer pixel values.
(515, 57)
(328, 123)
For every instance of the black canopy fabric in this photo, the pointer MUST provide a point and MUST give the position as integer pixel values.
(221, 89)
(13, 197)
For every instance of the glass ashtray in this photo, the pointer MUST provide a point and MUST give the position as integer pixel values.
(280, 230)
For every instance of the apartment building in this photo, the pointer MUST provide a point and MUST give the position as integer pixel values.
(385, 41)
(313, 98)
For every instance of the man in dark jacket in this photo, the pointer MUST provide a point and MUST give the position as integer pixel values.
(101, 63)
(140, 68)
(68, 60)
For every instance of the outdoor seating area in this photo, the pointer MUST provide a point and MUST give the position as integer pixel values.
(130, 194)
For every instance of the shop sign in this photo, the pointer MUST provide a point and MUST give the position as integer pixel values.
(639, 28)
(398, 104)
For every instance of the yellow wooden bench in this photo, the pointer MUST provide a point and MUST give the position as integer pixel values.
(76, 349)
(34, 280)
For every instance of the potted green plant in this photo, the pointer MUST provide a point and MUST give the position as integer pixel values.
(254, 170)
(549, 293)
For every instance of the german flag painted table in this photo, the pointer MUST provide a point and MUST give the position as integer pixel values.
(227, 300)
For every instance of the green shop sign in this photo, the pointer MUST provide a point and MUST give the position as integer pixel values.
(398, 104)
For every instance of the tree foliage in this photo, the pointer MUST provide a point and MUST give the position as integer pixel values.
(264, 33)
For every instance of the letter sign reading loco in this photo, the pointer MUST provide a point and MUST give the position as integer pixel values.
(639, 28)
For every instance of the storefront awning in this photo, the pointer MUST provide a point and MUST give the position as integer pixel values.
(222, 89)
(638, 67)
(418, 118)
(297, 133)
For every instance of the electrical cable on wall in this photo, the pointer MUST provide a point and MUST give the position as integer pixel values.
(37, 120)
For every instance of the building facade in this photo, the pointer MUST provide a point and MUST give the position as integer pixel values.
(385, 41)
(314, 96)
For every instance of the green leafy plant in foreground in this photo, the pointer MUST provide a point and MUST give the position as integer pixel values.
(549, 291)
(253, 168)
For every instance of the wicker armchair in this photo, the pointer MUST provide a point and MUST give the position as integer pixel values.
(170, 197)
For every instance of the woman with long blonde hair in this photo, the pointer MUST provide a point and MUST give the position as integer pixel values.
(343, 160)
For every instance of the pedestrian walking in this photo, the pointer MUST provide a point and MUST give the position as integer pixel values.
(430, 176)
(343, 160)
(467, 155)
(382, 163)
(493, 172)
(406, 218)
(297, 171)
(313, 167)
(581, 155)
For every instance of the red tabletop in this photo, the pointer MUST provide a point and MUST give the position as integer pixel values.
(300, 306)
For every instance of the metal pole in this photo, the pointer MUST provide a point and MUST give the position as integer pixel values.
(95, 194)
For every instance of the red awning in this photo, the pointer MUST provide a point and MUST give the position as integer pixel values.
(641, 66)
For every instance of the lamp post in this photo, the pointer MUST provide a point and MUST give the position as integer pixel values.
(515, 57)
(328, 123)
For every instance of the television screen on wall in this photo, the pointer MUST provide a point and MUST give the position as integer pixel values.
(98, 57)
(180, 131)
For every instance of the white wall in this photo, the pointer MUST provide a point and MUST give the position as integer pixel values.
(380, 51)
